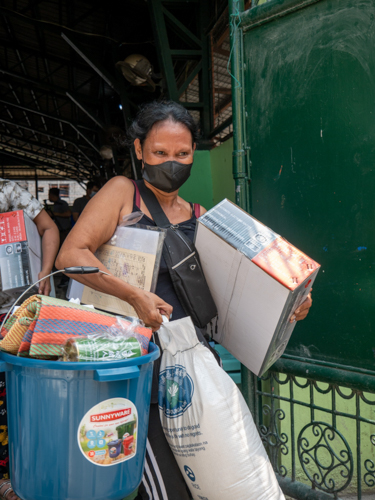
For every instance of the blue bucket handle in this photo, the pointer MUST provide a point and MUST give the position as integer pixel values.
(5, 367)
(113, 374)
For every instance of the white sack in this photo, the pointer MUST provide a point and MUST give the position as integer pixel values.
(208, 424)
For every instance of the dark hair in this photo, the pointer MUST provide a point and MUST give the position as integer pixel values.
(92, 184)
(160, 111)
(55, 192)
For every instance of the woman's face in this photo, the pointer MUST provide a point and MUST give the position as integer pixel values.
(166, 141)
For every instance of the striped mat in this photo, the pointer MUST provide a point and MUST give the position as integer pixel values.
(42, 324)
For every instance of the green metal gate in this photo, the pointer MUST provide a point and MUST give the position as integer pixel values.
(303, 82)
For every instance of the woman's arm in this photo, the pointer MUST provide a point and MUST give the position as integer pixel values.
(50, 245)
(303, 310)
(94, 227)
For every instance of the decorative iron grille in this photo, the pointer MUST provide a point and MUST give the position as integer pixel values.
(321, 434)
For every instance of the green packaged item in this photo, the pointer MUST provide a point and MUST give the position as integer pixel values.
(85, 349)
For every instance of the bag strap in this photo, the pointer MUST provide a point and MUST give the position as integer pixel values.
(153, 205)
(137, 195)
(197, 210)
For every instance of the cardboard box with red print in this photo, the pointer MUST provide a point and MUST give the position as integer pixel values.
(257, 279)
(20, 251)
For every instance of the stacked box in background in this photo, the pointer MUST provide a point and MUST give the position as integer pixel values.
(20, 251)
(257, 280)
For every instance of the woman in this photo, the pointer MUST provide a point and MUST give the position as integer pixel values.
(164, 136)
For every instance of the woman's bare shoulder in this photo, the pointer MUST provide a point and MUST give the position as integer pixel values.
(118, 183)
(112, 199)
(119, 190)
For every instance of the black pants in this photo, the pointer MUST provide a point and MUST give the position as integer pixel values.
(162, 478)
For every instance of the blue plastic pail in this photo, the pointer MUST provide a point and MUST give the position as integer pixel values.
(61, 417)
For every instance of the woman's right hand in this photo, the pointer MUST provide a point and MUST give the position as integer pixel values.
(149, 308)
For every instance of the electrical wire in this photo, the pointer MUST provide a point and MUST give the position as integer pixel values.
(74, 269)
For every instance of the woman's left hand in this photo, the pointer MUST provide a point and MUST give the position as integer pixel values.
(302, 311)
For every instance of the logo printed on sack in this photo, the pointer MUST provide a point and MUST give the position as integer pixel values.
(190, 474)
(176, 390)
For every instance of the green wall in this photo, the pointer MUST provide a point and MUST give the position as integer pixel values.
(198, 188)
(221, 167)
(211, 177)
(311, 131)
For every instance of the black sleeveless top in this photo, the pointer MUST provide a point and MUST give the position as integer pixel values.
(164, 287)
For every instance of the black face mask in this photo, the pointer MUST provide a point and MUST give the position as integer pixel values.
(168, 176)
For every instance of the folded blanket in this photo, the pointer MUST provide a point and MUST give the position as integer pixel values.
(42, 324)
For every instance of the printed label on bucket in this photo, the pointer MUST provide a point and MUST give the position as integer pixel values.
(107, 434)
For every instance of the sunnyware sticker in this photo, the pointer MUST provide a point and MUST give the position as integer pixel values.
(107, 434)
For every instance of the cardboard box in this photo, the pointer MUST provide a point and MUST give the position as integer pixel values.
(257, 279)
(20, 251)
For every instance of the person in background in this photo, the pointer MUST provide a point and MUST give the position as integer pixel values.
(60, 213)
(80, 203)
(13, 197)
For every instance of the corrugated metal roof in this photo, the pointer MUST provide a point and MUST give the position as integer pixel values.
(40, 123)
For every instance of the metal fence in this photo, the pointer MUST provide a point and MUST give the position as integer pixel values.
(319, 435)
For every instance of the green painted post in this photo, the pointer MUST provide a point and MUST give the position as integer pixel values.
(240, 173)
(204, 80)
(240, 166)
(163, 49)
(189, 78)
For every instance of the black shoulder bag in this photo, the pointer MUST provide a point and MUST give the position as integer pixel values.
(183, 264)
